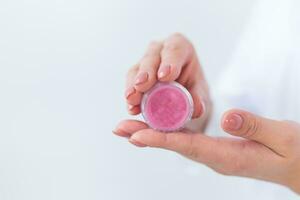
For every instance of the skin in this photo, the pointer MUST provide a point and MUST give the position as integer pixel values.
(264, 149)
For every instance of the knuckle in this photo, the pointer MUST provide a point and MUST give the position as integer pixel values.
(292, 136)
(133, 69)
(177, 35)
(172, 46)
(190, 148)
(253, 127)
(154, 44)
(153, 47)
(176, 43)
(179, 38)
(148, 55)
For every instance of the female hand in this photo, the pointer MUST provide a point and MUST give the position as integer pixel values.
(269, 150)
(173, 59)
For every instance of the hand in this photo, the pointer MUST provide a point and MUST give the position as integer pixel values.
(173, 59)
(267, 150)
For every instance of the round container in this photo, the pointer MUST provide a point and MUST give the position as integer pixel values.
(167, 106)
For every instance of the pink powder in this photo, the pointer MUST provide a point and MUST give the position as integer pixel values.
(167, 107)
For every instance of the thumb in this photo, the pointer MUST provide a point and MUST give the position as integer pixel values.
(277, 135)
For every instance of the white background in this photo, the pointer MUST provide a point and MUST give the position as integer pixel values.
(62, 73)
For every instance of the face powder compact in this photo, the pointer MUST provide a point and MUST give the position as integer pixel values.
(167, 107)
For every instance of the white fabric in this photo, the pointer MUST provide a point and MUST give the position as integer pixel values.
(264, 76)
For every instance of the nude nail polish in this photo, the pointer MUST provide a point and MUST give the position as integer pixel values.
(129, 91)
(233, 122)
(141, 78)
(130, 107)
(164, 71)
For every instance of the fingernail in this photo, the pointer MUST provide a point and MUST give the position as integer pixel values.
(129, 91)
(130, 107)
(141, 78)
(201, 111)
(233, 122)
(164, 71)
(120, 132)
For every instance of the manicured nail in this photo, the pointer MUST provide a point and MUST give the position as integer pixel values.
(129, 91)
(122, 133)
(141, 78)
(233, 122)
(164, 71)
(130, 107)
(199, 112)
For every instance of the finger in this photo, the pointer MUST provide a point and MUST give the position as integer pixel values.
(228, 156)
(176, 53)
(183, 143)
(146, 76)
(126, 128)
(133, 97)
(197, 95)
(277, 135)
